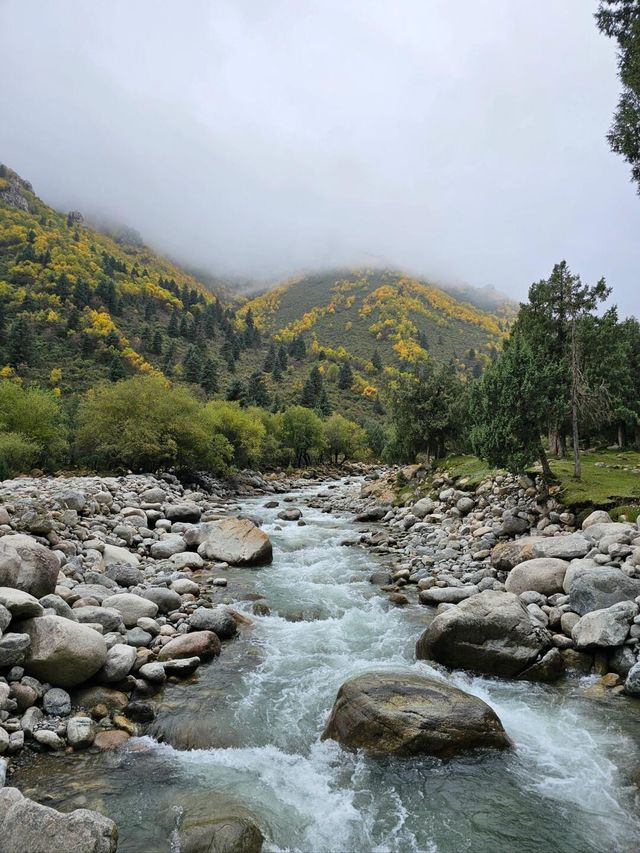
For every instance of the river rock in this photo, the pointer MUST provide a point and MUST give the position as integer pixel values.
(38, 567)
(28, 826)
(132, 607)
(506, 555)
(236, 541)
(81, 732)
(166, 600)
(217, 619)
(115, 554)
(597, 589)
(616, 529)
(203, 644)
(20, 604)
(124, 574)
(13, 649)
(167, 547)
(632, 681)
(63, 653)
(447, 594)
(232, 834)
(491, 633)
(292, 514)
(406, 714)
(108, 617)
(119, 663)
(598, 516)
(542, 574)
(567, 546)
(606, 627)
(425, 506)
(90, 697)
(186, 512)
(56, 702)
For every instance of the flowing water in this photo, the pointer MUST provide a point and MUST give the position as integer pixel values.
(256, 714)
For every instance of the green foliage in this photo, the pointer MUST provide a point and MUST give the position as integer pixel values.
(509, 408)
(300, 434)
(243, 429)
(17, 454)
(36, 416)
(425, 412)
(344, 439)
(145, 424)
(620, 19)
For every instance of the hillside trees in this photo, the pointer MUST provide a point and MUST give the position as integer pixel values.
(620, 19)
(425, 411)
(33, 429)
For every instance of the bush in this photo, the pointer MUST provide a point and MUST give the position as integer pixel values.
(36, 416)
(300, 434)
(145, 424)
(243, 429)
(17, 454)
(344, 438)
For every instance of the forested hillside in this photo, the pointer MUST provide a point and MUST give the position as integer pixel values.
(79, 305)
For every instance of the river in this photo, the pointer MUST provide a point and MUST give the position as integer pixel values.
(245, 734)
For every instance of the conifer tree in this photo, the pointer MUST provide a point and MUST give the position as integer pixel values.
(345, 377)
(210, 379)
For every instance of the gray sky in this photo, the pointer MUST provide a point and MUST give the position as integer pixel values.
(461, 140)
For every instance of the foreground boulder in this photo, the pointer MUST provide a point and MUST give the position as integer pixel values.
(62, 652)
(232, 834)
(28, 826)
(201, 644)
(406, 714)
(491, 633)
(542, 574)
(236, 541)
(27, 565)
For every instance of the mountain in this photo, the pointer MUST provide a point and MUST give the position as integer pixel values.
(360, 312)
(80, 304)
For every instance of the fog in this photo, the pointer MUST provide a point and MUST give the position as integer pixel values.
(462, 141)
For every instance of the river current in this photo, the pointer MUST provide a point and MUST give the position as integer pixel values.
(244, 734)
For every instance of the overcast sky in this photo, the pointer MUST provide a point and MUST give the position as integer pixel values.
(461, 140)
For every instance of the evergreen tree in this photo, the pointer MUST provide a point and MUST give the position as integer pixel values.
(116, 368)
(193, 365)
(282, 359)
(112, 340)
(146, 339)
(19, 342)
(173, 328)
(257, 392)
(82, 294)
(297, 348)
(270, 358)
(345, 377)
(620, 19)
(376, 361)
(169, 359)
(236, 392)
(210, 379)
(156, 343)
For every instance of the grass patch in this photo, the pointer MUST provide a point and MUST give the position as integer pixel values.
(609, 478)
(468, 470)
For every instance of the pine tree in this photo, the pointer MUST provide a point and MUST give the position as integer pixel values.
(116, 368)
(376, 361)
(146, 339)
(19, 342)
(193, 365)
(156, 343)
(345, 377)
(270, 358)
(169, 359)
(210, 379)
(257, 392)
(172, 328)
(236, 392)
(282, 359)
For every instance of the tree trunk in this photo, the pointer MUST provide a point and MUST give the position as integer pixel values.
(546, 469)
(622, 434)
(554, 446)
(637, 435)
(577, 465)
(562, 445)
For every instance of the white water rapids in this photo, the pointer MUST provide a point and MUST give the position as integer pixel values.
(564, 788)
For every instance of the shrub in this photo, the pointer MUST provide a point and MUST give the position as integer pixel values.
(37, 417)
(17, 454)
(243, 429)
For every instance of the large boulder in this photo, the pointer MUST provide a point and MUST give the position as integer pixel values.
(607, 627)
(232, 834)
(542, 574)
(610, 528)
(425, 506)
(132, 607)
(566, 546)
(187, 512)
(28, 826)
(21, 605)
(202, 644)
(598, 516)
(62, 652)
(597, 589)
(27, 565)
(406, 714)
(236, 541)
(119, 663)
(490, 633)
(216, 619)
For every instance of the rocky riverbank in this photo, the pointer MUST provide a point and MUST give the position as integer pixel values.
(113, 589)
(514, 584)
